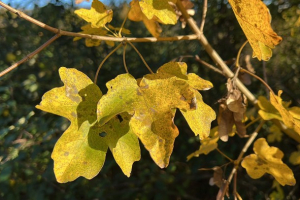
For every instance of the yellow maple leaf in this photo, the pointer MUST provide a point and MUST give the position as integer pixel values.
(275, 134)
(207, 145)
(159, 9)
(136, 14)
(268, 160)
(153, 101)
(254, 18)
(289, 118)
(295, 157)
(88, 29)
(98, 15)
(81, 150)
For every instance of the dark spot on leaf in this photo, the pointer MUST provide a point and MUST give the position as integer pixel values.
(103, 134)
(120, 118)
(66, 153)
(85, 163)
(238, 9)
(193, 104)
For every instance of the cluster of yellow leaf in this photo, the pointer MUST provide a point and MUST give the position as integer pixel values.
(254, 18)
(278, 109)
(268, 160)
(146, 107)
(153, 101)
(80, 151)
(98, 16)
(153, 12)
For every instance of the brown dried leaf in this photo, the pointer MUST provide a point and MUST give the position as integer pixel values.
(231, 111)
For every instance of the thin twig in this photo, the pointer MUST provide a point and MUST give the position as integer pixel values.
(137, 51)
(265, 76)
(29, 56)
(234, 186)
(239, 159)
(203, 15)
(124, 58)
(208, 65)
(96, 37)
(258, 78)
(212, 53)
(108, 55)
(252, 122)
(237, 63)
(123, 23)
(223, 154)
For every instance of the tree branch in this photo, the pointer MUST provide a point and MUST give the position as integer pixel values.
(29, 56)
(212, 53)
(239, 159)
(96, 37)
(208, 65)
(203, 15)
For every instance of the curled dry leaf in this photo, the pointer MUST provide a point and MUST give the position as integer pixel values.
(218, 180)
(254, 18)
(268, 160)
(231, 112)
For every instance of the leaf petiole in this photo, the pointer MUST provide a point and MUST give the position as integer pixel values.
(108, 55)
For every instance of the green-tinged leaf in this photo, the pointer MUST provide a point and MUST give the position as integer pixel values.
(160, 9)
(79, 152)
(82, 148)
(98, 15)
(152, 105)
(153, 102)
(268, 160)
(76, 100)
(122, 142)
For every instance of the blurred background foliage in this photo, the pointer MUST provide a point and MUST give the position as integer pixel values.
(28, 135)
